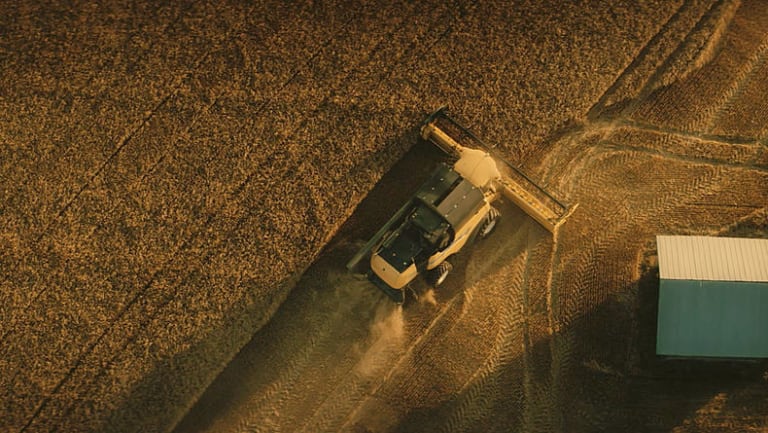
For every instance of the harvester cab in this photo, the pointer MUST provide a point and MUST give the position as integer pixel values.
(451, 208)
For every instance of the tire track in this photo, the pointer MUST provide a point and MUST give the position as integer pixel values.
(670, 105)
(613, 229)
(271, 404)
(641, 125)
(631, 78)
(717, 162)
(667, 71)
(610, 259)
(437, 324)
(574, 149)
(194, 240)
(745, 75)
(745, 116)
(334, 412)
(753, 71)
(482, 391)
(540, 381)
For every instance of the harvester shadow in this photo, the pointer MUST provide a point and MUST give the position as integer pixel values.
(310, 316)
(190, 388)
(166, 394)
(394, 188)
(325, 293)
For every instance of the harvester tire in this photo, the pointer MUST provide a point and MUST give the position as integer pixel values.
(440, 273)
(490, 222)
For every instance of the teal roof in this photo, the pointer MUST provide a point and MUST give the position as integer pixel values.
(712, 319)
(711, 302)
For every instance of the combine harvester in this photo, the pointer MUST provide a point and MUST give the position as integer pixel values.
(450, 210)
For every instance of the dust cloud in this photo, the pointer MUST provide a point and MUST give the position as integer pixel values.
(386, 339)
(428, 297)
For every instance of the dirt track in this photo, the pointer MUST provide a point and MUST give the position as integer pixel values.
(170, 172)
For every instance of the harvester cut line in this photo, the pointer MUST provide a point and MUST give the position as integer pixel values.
(549, 214)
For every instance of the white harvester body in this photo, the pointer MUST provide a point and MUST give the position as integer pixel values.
(446, 212)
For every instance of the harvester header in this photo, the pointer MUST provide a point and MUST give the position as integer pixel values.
(448, 135)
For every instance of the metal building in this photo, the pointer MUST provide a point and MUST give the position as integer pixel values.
(713, 297)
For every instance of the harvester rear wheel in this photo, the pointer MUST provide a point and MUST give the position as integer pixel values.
(490, 222)
(440, 273)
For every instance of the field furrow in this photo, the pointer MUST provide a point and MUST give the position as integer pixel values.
(709, 87)
(629, 84)
(745, 113)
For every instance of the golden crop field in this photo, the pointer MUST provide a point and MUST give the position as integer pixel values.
(181, 185)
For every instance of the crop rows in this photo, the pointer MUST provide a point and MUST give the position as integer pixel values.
(175, 185)
(637, 79)
(710, 87)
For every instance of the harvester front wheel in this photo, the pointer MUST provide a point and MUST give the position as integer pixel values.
(490, 222)
(440, 273)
